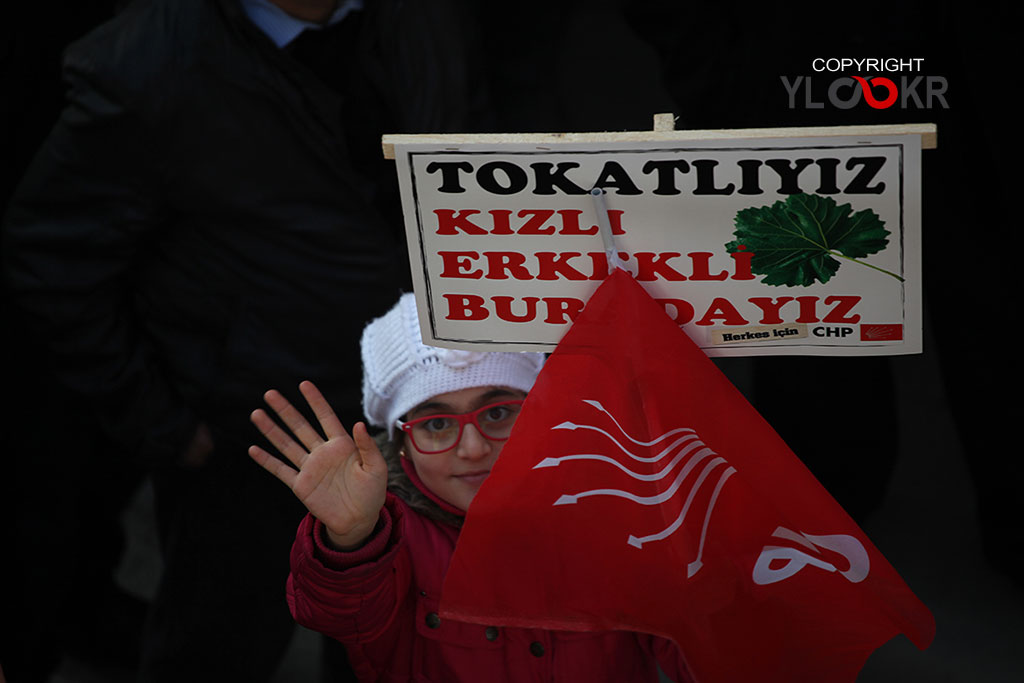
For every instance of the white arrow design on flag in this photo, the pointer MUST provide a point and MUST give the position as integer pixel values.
(569, 499)
(654, 458)
(555, 462)
(694, 452)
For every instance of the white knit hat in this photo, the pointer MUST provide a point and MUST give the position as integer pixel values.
(400, 371)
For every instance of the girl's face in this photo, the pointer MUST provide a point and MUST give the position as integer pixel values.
(455, 475)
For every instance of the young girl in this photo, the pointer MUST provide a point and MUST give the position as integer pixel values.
(369, 560)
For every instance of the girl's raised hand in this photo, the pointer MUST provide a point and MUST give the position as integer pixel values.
(341, 480)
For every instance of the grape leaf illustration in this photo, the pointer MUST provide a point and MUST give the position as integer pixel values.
(798, 241)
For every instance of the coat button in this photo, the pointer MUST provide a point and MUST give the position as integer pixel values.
(433, 621)
(537, 649)
(491, 633)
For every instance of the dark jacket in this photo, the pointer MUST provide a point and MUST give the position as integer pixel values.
(208, 219)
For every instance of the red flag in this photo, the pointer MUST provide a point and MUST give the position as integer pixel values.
(640, 491)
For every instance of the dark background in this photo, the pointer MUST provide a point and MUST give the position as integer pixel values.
(920, 449)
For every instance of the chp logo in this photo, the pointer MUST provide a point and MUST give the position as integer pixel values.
(902, 86)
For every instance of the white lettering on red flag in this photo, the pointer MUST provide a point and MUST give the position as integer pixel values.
(795, 560)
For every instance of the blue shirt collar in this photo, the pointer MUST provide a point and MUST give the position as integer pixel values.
(281, 27)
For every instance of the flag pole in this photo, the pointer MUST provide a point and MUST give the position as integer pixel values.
(605, 228)
(662, 122)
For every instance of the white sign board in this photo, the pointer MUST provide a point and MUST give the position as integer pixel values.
(760, 245)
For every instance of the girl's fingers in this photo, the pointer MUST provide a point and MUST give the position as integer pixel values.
(273, 465)
(322, 409)
(293, 419)
(366, 448)
(279, 438)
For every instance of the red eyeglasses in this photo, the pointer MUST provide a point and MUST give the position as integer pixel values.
(441, 432)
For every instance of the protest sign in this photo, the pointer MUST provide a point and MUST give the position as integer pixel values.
(756, 242)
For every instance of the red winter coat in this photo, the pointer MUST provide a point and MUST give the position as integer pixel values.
(381, 601)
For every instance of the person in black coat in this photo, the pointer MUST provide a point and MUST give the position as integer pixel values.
(210, 217)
